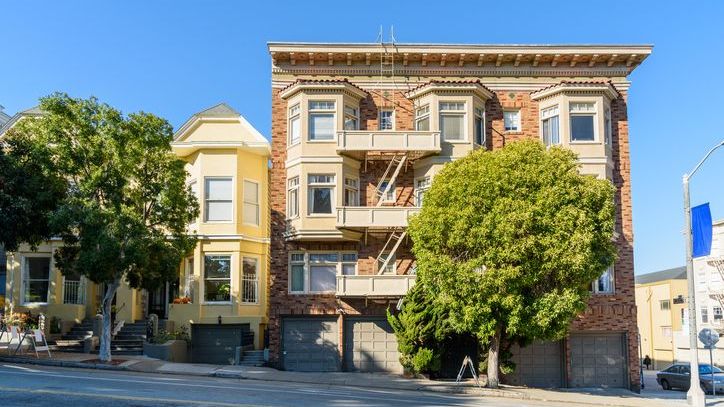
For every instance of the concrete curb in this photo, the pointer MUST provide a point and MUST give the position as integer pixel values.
(61, 363)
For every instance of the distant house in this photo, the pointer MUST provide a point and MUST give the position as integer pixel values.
(660, 301)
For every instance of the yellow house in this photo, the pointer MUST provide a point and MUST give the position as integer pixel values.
(223, 287)
(660, 301)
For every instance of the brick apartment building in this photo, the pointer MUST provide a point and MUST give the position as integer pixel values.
(358, 133)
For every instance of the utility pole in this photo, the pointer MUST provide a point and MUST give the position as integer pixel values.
(695, 396)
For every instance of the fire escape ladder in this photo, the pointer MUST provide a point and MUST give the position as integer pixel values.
(393, 241)
(719, 265)
(398, 162)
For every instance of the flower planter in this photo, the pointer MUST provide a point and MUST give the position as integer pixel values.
(171, 351)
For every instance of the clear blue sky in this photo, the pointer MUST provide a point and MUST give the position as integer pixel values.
(174, 58)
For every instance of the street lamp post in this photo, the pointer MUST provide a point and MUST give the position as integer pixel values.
(695, 396)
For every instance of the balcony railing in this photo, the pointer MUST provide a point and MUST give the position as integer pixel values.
(374, 285)
(421, 142)
(374, 216)
(73, 292)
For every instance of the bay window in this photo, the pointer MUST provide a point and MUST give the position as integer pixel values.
(251, 203)
(316, 272)
(217, 278)
(452, 121)
(295, 134)
(422, 118)
(320, 193)
(511, 120)
(423, 184)
(321, 120)
(479, 126)
(351, 192)
(550, 126)
(583, 121)
(218, 199)
(36, 279)
(292, 197)
(351, 118)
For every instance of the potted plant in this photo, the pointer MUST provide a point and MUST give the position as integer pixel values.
(169, 346)
(222, 294)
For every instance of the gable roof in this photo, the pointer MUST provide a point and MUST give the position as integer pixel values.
(33, 111)
(220, 110)
(676, 273)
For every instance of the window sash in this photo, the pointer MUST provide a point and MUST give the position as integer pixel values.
(422, 186)
(391, 195)
(511, 120)
(251, 203)
(551, 131)
(320, 198)
(604, 283)
(216, 278)
(293, 197)
(295, 130)
(480, 130)
(583, 127)
(250, 281)
(351, 118)
(704, 315)
(452, 126)
(317, 272)
(321, 126)
(422, 118)
(36, 279)
(218, 199)
(391, 267)
(351, 192)
(607, 127)
(386, 120)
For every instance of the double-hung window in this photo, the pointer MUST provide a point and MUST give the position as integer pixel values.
(391, 267)
(583, 121)
(386, 119)
(351, 192)
(452, 121)
(422, 118)
(292, 197)
(351, 118)
(218, 199)
(316, 272)
(36, 279)
(251, 203)
(217, 278)
(423, 184)
(550, 126)
(704, 315)
(389, 197)
(604, 284)
(607, 126)
(250, 281)
(664, 305)
(479, 126)
(717, 314)
(321, 120)
(320, 194)
(295, 130)
(511, 120)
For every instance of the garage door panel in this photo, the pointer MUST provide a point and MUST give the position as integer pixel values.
(371, 346)
(537, 365)
(216, 343)
(310, 344)
(598, 360)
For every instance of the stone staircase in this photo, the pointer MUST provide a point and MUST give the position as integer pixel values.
(129, 341)
(253, 358)
(73, 340)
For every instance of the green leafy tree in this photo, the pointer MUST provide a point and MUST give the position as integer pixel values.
(509, 241)
(127, 206)
(30, 191)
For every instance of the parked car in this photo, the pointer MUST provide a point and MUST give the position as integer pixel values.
(678, 376)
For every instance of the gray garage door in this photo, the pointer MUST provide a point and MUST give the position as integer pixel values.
(539, 364)
(598, 360)
(216, 344)
(310, 344)
(370, 345)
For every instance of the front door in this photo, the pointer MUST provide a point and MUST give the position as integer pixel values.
(158, 301)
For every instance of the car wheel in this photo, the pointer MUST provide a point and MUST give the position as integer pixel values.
(665, 384)
(703, 388)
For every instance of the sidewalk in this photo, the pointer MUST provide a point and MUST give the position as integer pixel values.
(599, 397)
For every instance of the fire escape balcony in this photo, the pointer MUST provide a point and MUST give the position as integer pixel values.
(375, 286)
(361, 144)
(374, 217)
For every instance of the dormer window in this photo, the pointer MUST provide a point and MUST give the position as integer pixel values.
(321, 120)
(387, 119)
(452, 121)
(351, 118)
(422, 118)
(583, 121)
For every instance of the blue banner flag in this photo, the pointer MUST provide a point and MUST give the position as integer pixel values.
(701, 229)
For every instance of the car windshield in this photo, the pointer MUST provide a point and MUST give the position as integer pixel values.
(708, 369)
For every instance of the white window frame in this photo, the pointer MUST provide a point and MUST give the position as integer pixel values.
(665, 308)
(422, 185)
(254, 206)
(293, 189)
(295, 114)
(578, 113)
(206, 199)
(231, 277)
(607, 126)
(351, 115)
(352, 188)
(292, 263)
(193, 185)
(479, 114)
(320, 185)
(307, 265)
(422, 113)
(25, 278)
(326, 110)
(254, 282)
(609, 273)
(517, 121)
(717, 314)
(546, 115)
(392, 118)
(460, 110)
(391, 196)
(392, 264)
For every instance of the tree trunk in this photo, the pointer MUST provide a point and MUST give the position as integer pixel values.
(494, 360)
(104, 354)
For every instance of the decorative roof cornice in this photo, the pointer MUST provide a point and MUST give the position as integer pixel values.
(410, 58)
(586, 87)
(337, 85)
(475, 87)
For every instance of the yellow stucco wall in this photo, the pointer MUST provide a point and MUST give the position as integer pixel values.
(657, 326)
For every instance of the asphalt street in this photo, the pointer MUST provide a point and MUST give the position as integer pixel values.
(24, 385)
